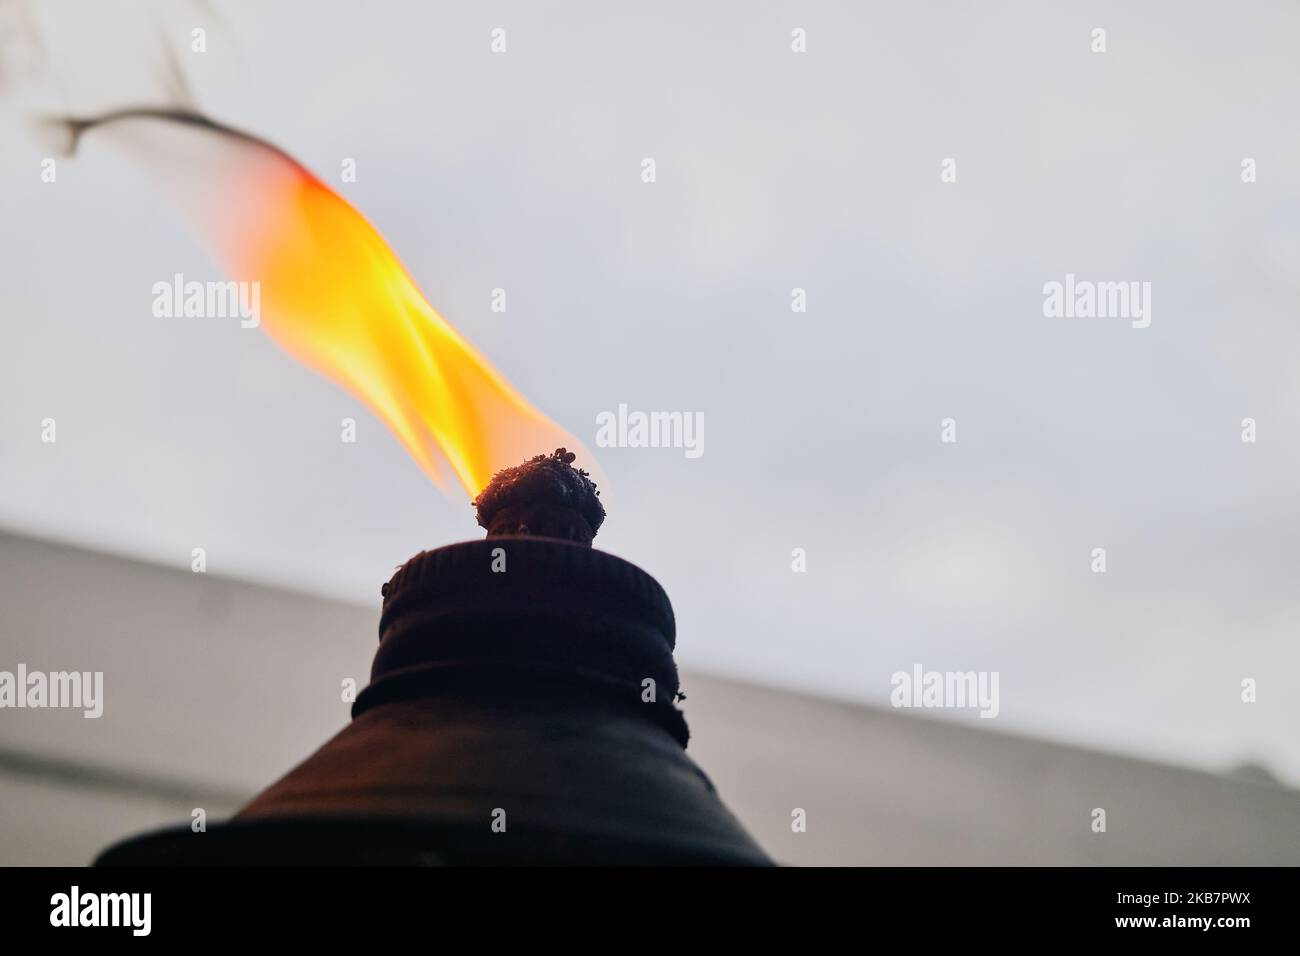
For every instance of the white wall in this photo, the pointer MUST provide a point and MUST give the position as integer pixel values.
(213, 688)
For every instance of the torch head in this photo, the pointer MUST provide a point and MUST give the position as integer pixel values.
(545, 688)
(544, 497)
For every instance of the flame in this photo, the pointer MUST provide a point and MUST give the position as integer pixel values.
(335, 296)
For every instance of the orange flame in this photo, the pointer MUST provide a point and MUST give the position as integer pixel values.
(336, 297)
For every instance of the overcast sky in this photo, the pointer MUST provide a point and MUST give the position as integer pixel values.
(775, 170)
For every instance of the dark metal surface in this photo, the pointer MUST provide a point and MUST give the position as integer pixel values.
(508, 720)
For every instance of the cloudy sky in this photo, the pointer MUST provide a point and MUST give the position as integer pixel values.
(775, 171)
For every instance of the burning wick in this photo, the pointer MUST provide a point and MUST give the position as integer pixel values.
(544, 497)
